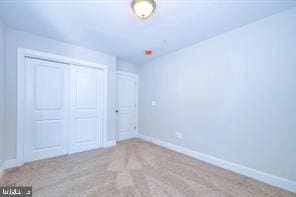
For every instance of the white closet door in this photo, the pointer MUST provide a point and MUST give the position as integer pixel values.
(86, 108)
(46, 109)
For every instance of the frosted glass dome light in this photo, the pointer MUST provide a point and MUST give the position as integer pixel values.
(143, 8)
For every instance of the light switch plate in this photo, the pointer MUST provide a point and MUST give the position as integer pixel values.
(179, 135)
(153, 103)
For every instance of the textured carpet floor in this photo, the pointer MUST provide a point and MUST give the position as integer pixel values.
(133, 168)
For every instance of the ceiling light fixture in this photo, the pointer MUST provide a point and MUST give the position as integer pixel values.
(143, 8)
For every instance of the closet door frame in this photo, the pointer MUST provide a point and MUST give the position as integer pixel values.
(23, 53)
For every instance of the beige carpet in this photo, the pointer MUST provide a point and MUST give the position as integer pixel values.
(133, 168)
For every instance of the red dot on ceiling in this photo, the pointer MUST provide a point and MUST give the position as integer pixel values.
(148, 52)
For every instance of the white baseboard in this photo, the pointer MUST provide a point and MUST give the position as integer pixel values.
(110, 143)
(10, 164)
(2, 168)
(249, 172)
(6, 165)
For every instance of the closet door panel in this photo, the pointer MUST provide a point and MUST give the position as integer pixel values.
(86, 108)
(46, 98)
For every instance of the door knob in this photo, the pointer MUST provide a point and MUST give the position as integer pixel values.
(116, 111)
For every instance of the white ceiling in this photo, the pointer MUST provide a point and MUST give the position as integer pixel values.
(110, 25)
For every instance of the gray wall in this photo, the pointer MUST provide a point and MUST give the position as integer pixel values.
(232, 96)
(122, 65)
(17, 39)
(2, 39)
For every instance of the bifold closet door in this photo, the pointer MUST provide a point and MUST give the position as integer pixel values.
(63, 109)
(86, 108)
(46, 108)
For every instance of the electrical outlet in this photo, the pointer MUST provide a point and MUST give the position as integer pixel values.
(179, 135)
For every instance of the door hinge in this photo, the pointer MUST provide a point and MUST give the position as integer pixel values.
(135, 83)
(135, 105)
(135, 127)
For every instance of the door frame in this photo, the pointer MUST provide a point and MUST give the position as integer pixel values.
(22, 53)
(136, 77)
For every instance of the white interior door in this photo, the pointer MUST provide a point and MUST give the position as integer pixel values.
(46, 109)
(126, 105)
(86, 108)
